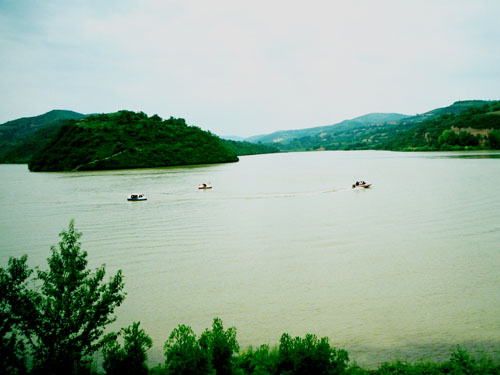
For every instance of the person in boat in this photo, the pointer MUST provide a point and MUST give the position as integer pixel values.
(357, 183)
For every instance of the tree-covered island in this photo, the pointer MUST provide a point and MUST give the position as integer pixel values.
(128, 140)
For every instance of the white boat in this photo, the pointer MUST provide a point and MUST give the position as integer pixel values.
(361, 184)
(137, 197)
(205, 185)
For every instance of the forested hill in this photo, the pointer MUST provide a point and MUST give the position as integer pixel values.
(128, 140)
(476, 121)
(475, 127)
(284, 137)
(20, 138)
(241, 148)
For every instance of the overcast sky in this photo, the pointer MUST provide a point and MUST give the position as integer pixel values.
(246, 67)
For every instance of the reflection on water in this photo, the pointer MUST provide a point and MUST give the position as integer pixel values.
(407, 268)
(467, 155)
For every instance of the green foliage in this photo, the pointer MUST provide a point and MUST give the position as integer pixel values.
(129, 140)
(407, 368)
(56, 322)
(261, 361)
(248, 148)
(220, 344)
(452, 138)
(73, 307)
(21, 138)
(15, 304)
(346, 126)
(63, 316)
(184, 354)
(450, 131)
(310, 355)
(462, 363)
(390, 132)
(129, 359)
(494, 139)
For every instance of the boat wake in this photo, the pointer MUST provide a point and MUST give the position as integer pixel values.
(294, 194)
(217, 196)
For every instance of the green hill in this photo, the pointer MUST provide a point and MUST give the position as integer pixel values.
(241, 148)
(390, 131)
(128, 140)
(20, 138)
(474, 127)
(288, 136)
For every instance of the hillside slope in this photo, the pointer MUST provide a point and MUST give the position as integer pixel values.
(475, 127)
(20, 138)
(241, 148)
(129, 140)
(369, 132)
(284, 136)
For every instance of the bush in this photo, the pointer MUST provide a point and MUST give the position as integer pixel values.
(129, 359)
(261, 361)
(63, 317)
(310, 355)
(220, 344)
(184, 354)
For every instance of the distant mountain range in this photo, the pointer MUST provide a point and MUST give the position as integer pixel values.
(382, 130)
(471, 124)
(358, 122)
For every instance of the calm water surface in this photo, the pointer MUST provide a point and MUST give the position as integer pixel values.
(407, 269)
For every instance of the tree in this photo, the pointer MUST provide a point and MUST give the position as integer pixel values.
(463, 363)
(494, 139)
(184, 354)
(131, 358)
(310, 355)
(221, 344)
(15, 302)
(72, 307)
(447, 137)
(260, 361)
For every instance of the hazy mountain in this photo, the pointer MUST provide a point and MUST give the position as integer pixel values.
(241, 148)
(20, 138)
(23, 127)
(232, 138)
(285, 135)
(372, 131)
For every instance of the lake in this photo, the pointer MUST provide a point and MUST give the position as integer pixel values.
(282, 243)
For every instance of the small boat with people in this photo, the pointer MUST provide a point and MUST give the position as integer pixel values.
(361, 184)
(137, 197)
(205, 186)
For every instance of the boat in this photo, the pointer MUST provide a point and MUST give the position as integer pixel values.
(205, 186)
(137, 197)
(361, 184)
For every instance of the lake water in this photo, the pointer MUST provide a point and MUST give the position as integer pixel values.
(282, 243)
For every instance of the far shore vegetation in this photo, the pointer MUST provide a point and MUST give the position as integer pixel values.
(128, 140)
(69, 141)
(463, 126)
(52, 322)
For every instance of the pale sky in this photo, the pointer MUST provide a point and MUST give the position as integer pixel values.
(247, 67)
